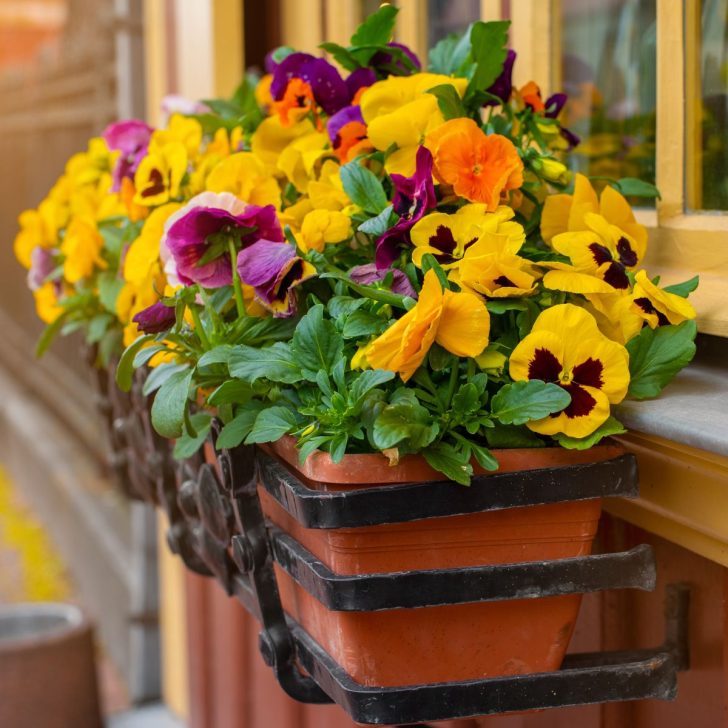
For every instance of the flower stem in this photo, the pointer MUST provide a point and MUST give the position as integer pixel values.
(199, 328)
(237, 288)
(454, 374)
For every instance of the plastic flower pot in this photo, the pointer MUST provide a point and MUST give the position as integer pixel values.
(47, 669)
(443, 643)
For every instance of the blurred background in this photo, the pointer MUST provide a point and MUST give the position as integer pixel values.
(70, 67)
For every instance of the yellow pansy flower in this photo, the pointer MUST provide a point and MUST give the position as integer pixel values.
(81, 248)
(615, 314)
(321, 227)
(143, 253)
(159, 175)
(566, 213)
(491, 268)
(398, 110)
(298, 160)
(271, 138)
(327, 192)
(447, 236)
(46, 303)
(459, 322)
(659, 307)
(38, 228)
(245, 176)
(565, 347)
(182, 130)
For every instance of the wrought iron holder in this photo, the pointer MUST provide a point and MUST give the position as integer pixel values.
(224, 526)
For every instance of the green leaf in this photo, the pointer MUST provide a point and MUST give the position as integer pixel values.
(275, 363)
(234, 391)
(216, 355)
(483, 456)
(341, 55)
(97, 327)
(159, 375)
(144, 356)
(366, 381)
(509, 436)
(513, 304)
(110, 286)
(316, 343)
(448, 100)
(187, 445)
(488, 47)
(611, 427)
(449, 54)
(453, 464)
(377, 29)
(363, 187)
(633, 187)
(466, 399)
(49, 333)
(429, 262)
(271, 424)
(404, 423)
(125, 369)
(337, 447)
(361, 323)
(235, 431)
(520, 402)
(376, 226)
(657, 355)
(343, 305)
(685, 288)
(170, 402)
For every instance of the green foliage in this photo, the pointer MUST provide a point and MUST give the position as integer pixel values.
(450, 56)
(377, 29)
(521, 402)
(633, 187)
(170, 404)
(271, 424)
(453, 463)
(685, 288)
(488, 48)
(612, 426)
(275, 363)
(189, 443)
(316, 346)
(363, 187)
(448, 100)
(657, 355)
(125, 368)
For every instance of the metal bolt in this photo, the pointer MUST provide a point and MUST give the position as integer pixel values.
(242, 553)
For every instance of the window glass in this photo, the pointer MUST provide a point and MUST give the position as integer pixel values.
(446, 16)
(608, 70)
(710, 190)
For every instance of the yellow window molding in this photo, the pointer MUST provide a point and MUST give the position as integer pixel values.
(683, 495)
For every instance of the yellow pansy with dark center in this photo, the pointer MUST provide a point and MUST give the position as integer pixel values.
(657, 306)
(566, 348)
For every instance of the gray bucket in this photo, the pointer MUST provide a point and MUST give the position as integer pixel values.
(47, 668)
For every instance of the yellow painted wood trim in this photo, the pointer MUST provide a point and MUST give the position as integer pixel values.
(693, 107)
(683, 495)
(491, 9)
(532, 25)
(155, 63)
(342, 19)
(228, 46)
(411, 27)
(302, 24)
(173, 626)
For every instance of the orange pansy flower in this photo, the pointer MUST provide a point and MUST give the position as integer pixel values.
(531, 96)
(297, 101)
(480, 167)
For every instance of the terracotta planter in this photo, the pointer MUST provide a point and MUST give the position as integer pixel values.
(443, 643)
(47, 669)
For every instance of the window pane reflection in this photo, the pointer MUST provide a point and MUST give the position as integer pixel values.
(710, 142)
(608, 70)
(446, 16)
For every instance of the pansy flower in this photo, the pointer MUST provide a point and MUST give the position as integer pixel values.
(565, 213)
(158, 178)
(459, 322)
(42, 264)
(81, 249)
(413, 197)
(392, 64)
(492, 268)
(323, 227)
(155, 318)
(131, 139)
(448, 236)
(502, 87)
(600, 256)
(369, 273)
(399, 111)
(565, 347)
(274, 270)
(480, 167)
(657, 306)
(196, 241)
(244, 175)
(301, 81)
(348, 134)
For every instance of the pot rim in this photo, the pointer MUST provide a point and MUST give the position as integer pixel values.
(71, 622)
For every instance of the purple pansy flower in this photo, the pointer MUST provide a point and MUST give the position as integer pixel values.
(273, 270)
(369, 273)
(553, 106)
(42, 264)
(131, 138)
(413, 197)
(329, 89)
(340, 119)
(360, 78)
(502, 87)
(386, 64)
(189, 234)
(155, 318)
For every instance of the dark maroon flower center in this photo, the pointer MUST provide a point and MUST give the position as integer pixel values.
(646, 305)
(156, 184)
(294, 273)
(546, 367)
(615, 274)
(504, 281)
